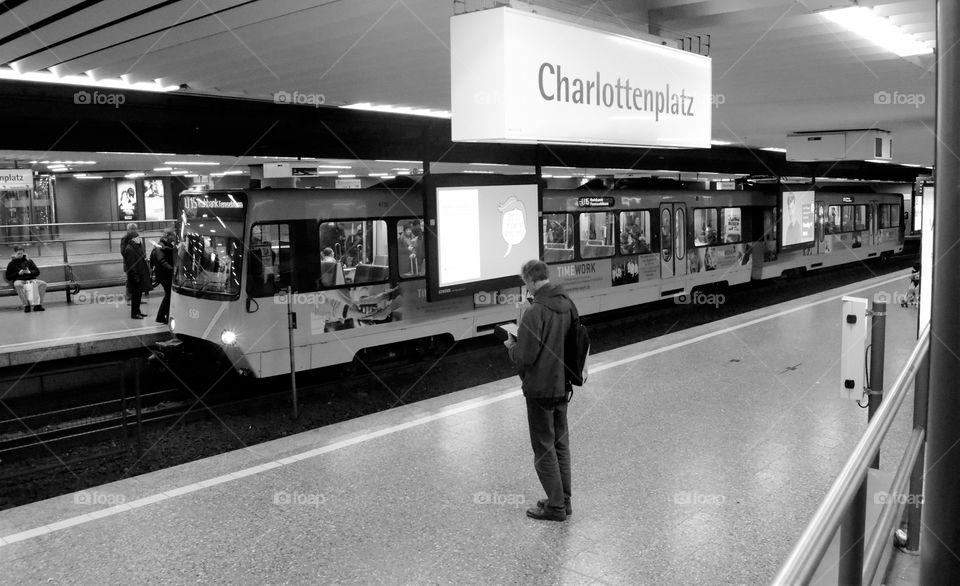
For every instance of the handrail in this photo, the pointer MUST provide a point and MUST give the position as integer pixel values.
(805, 557)
(892, 508)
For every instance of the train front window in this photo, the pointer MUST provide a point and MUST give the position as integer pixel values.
(210, 254)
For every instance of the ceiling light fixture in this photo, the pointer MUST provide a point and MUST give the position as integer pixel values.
(878, 30)
(198, 163)
(87, 80)
(398, 110)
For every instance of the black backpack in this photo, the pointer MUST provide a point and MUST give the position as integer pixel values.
(576, 348)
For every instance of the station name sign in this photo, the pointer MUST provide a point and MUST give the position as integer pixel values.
(16, 179)
(518, 77)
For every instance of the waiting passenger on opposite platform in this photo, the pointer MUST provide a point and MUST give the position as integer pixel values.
(537, 353)
(20, 272)
(164, 271)
(138, 275)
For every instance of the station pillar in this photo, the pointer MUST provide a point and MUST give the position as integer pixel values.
(940, 532)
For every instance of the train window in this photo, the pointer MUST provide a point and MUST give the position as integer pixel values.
(832, 223)
(410, 248)
(889, 215)
(596, 234)
(731, 226)
(355, 251)
(705, 226)
(846, 218)
(270, 265)
(635, 232)
(557, 237)
(860, 217)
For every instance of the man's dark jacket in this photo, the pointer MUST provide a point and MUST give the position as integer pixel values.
(538, 353)
(16, 265)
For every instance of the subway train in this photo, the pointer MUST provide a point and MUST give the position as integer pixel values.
(337, 273)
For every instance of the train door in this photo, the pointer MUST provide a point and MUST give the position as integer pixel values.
(673, 241)
(872, 224)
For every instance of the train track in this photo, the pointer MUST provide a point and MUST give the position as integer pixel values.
(119, 420)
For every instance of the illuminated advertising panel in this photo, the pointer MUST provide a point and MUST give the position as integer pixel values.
(797, 219)
(126, 201)
(479, 232)
(520, 77)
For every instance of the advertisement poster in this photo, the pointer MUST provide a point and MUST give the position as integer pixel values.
(126, 201)
(153, 200)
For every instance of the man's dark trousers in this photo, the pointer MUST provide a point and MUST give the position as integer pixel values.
(547, 419)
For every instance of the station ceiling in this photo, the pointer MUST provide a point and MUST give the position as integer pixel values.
(778, 66)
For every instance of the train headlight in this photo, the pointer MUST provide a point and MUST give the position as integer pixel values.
(228, 337)
(173, 324)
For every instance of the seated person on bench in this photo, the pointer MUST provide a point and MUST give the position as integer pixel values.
(21, 273)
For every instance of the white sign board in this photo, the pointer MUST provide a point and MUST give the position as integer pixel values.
(522, 78)
(927, 265)
(16, 179)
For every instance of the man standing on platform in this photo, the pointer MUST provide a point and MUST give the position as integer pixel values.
(163, 269)
(138, 274)
(23, 273)
(537, 353)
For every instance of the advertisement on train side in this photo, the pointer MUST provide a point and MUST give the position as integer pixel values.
(479, 232)
(520, 77)
(797, 219)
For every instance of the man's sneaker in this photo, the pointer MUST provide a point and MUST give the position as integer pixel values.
(38, 308)
(545, 514)
(26, 309)
(542, 503)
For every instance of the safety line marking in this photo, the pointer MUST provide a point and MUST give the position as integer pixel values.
(455, 409)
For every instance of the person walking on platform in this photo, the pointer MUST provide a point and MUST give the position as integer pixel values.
(537, 353)
(138, 274)
(23, 273)
(163, 269)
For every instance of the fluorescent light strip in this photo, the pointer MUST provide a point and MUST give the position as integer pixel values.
(140, 154)
(118, 84)
(773, 149)
(398, 110)
(878, 30)
(198, 163)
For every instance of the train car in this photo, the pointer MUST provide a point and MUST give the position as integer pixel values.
(629, 247)
(844, 227)
(347, 268)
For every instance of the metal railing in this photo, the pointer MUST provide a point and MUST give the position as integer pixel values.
(803, 561)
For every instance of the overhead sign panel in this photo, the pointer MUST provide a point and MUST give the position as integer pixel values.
(16, 179)
(522, 78)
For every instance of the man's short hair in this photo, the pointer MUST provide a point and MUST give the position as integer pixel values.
(131, 226)
(169, 232)
(535, 270)
(17, 247)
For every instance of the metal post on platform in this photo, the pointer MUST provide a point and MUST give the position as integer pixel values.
(850, 568)
(292, 325)
(915, 504)
(940, 530)
(137, 370)
(878, 336)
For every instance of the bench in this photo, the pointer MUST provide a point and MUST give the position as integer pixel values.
(70, 278)
(57, 278)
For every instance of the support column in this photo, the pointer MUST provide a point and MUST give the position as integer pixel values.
(940, 534)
